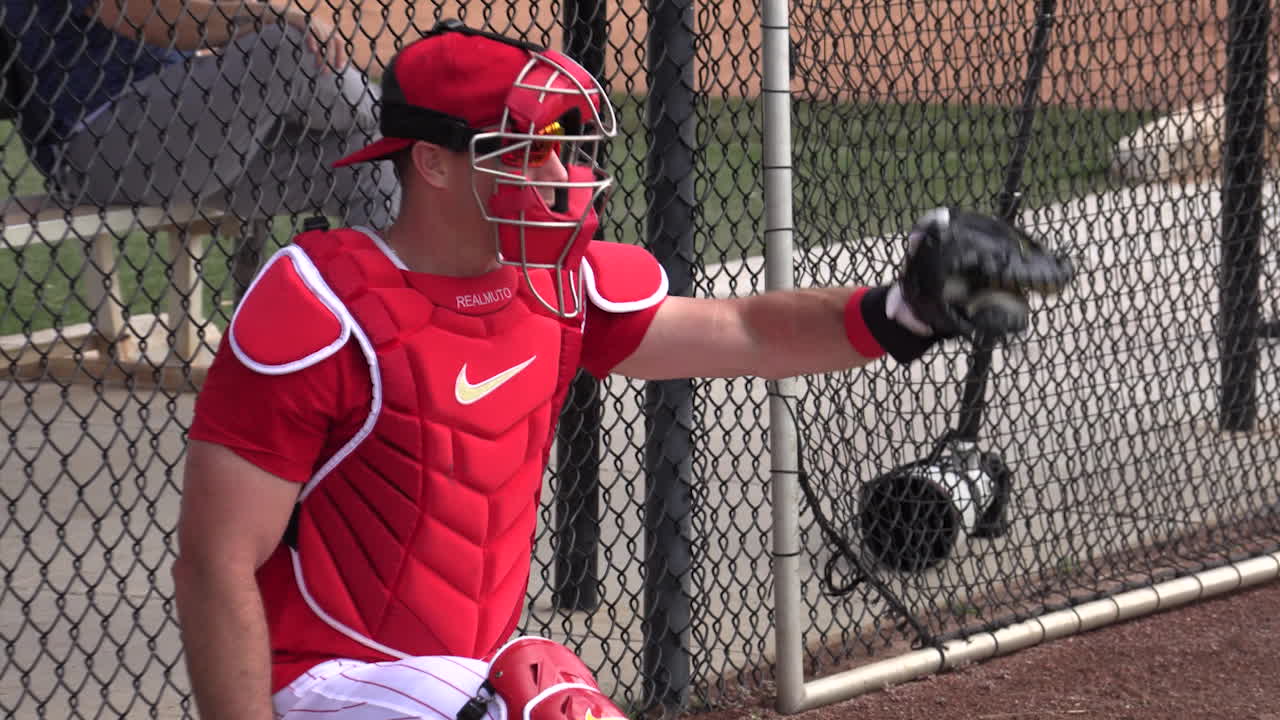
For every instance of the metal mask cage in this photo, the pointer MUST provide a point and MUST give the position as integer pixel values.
(581, 146)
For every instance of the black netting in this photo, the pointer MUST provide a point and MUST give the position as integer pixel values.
(1129, 437)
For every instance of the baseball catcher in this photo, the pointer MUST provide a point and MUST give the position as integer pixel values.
(358, 542)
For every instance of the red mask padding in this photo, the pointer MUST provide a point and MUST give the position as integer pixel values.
(545, 246)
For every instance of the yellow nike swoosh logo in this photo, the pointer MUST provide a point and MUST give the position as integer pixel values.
(590, 716)
(467, 392)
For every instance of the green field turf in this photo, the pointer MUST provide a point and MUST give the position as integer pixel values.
(858, 170)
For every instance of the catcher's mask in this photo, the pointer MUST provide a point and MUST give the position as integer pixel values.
(912, 516)
(553, 124)
(531, 119)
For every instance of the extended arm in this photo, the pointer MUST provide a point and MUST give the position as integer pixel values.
(233, 515)
(777, 334)
(963, 274)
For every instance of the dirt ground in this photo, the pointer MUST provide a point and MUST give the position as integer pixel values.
(1214, 659)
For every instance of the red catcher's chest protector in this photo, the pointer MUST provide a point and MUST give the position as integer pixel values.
(416, 537)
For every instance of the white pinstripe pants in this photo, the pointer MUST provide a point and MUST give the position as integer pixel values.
(428, 688)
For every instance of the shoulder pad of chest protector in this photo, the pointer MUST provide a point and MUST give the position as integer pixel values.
(289, 318)
(623, 278)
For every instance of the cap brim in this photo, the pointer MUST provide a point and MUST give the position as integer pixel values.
(380, 150)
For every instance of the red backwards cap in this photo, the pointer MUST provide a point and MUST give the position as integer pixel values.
(452, 82)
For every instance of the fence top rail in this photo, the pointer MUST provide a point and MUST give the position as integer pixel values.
(43, 218)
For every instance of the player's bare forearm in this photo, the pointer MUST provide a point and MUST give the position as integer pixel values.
(772, 335)
(192, 24)
(224, 636)
(800, 332)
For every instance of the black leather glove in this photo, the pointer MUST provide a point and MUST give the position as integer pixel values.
(966, 273)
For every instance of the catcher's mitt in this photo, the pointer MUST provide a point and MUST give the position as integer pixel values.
(965, 272)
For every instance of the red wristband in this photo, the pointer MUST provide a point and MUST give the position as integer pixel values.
(855, 326)
(872, 333)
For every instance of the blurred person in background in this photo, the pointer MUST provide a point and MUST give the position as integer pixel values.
(235, 104)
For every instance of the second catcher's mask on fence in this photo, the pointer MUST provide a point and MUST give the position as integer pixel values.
(515, 107)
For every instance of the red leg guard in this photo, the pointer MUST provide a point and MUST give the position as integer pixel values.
(540, 679)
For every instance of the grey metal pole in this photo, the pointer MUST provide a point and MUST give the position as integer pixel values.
(1244, 125)
(669, 404)
(576, 538)
(784, 446)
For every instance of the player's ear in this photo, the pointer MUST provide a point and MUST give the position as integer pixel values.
(431, 162)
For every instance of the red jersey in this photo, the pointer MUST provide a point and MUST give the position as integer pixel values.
(365, 378)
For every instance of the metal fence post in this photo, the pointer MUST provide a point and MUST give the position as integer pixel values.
(577, 505)
(1243, 161)
(669, 404)
(776, 65)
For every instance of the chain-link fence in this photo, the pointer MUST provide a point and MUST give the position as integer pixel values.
(1136, 420)
(1130, 437)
